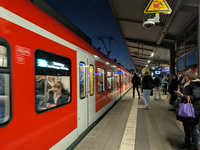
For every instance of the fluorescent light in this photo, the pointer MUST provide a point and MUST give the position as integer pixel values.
(107, 63)
(152, 54)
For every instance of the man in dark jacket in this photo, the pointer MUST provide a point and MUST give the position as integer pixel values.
(157, 84)
(148, 85)
(136, 82)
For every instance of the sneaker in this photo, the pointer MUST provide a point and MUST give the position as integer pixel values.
(171, 109)
(148, 107)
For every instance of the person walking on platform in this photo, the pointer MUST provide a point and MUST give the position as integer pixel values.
(190, 90)
(157, 84)
(164, 84)
(136, 82)
(148, 85)
(173, 87)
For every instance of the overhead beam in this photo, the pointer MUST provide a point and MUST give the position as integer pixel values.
(139, 66)
(139, 58)
(171, 38)
(176, 6)
(141, 54)
(165, 45)
(141, 48)
(139, 62)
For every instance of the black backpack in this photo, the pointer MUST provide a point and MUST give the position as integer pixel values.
(151, 83)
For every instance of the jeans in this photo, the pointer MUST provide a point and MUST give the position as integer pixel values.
(137, 91)
(191, 129)
(165, 89)
(146, 96)
(173, 104)
(157, 89)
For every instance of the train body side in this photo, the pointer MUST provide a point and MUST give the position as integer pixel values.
(26, 32)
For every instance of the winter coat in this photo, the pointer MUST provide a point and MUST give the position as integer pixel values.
(173, 87)
(136, 80)
(146, 80)
(193, 90)
(157, 82)
(61, 100)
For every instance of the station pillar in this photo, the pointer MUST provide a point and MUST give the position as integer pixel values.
(172, 61)
(198, 43)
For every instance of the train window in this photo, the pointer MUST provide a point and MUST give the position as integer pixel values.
(5, 111)
(113, 79)
(82, 76)
(109, 80)
(125, 77)
(118, 84)
(91, 80)
(4, 97)
(52, 80)
(3, 56)
(101, 80)
(122, 78)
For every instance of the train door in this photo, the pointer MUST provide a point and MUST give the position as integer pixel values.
(114, 77)
(91, 90)
(82, 86)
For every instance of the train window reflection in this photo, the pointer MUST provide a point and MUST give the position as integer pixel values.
(3, 56)
(109, 82)
(91, 80)
(4, 98)
(52, 80)
(101, 80)
(82, 76)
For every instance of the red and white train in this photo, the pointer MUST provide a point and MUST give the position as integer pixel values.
(37, 51)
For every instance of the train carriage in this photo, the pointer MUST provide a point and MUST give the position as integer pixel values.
(36, 53)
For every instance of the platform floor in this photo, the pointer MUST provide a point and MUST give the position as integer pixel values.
(129, 126)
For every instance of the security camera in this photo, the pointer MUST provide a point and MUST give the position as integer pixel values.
(148, 24)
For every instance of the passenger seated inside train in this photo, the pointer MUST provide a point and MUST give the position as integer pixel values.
(58, 95)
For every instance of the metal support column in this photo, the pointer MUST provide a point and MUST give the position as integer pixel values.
(172, 61)
(198, 49)
(198, 43)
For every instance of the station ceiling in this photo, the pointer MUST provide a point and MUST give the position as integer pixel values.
(142, 42)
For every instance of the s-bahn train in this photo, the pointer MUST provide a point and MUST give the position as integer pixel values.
(54, 86)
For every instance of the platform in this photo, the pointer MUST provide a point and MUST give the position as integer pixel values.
(129, 126)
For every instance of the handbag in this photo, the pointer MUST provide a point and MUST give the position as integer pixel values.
(186, 110)
(151, 93)
(168, 98)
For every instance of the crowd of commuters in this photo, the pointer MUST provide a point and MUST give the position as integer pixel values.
(189, 85)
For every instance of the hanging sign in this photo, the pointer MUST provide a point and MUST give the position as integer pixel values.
(158, 6)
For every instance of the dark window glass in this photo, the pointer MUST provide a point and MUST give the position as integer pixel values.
(52, 80)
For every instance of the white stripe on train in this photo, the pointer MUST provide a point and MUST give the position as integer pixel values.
(7, 15)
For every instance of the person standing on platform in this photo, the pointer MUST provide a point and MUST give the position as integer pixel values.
(164, 84)
(136, 82)
(148, 85)
(191, 89)
(173, 87)
(157, 84)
